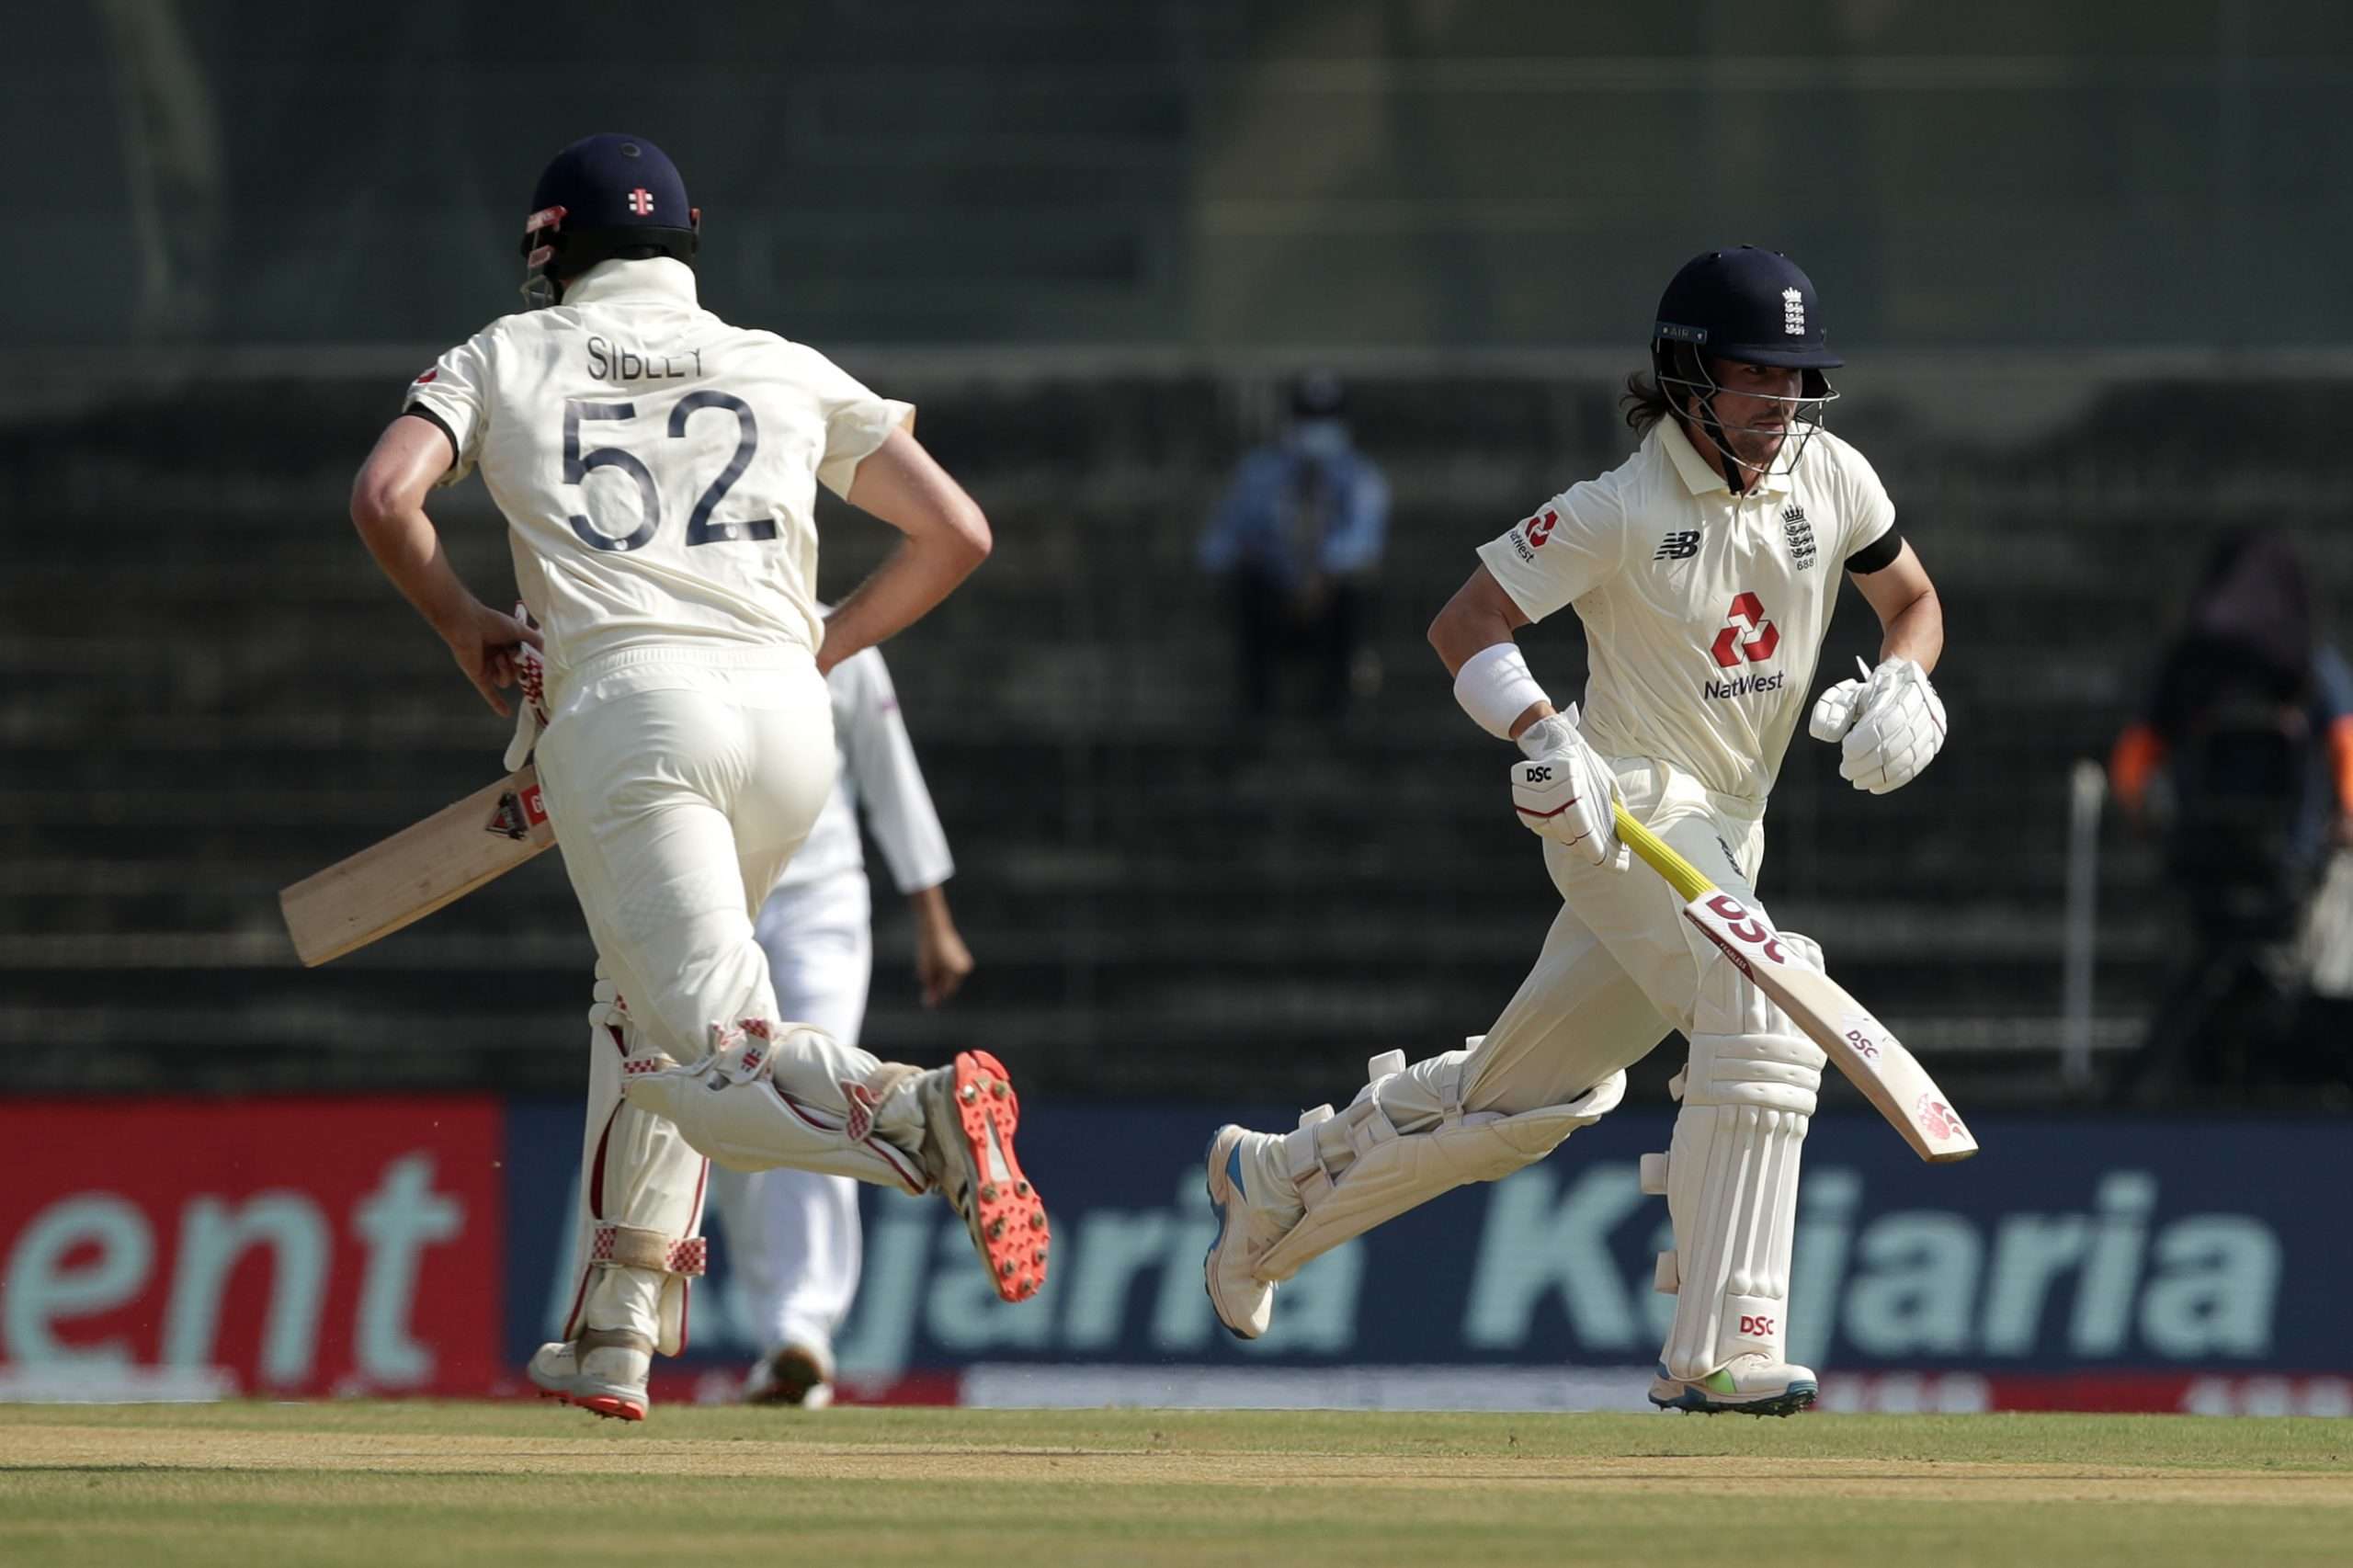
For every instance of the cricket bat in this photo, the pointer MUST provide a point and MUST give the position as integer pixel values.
(1864, 1050)
(418, 869)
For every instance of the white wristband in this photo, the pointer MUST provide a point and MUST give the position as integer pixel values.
(1495, 688)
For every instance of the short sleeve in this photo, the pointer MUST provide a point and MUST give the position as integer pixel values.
(455, 394)
(1869, 512)
(1572, 545)
(857, 421)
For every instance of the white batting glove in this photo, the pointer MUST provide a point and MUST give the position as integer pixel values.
(1564, 792)
(1888, 726)
(1833, 710)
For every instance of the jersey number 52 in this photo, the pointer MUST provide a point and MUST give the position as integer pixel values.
(700, 529)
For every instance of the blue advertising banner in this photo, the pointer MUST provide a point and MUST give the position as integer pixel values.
(2071, 1247)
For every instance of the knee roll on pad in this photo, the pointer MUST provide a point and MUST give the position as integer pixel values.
(1774, 1071)
(1355, 1170)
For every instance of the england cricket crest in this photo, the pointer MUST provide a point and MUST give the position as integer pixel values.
(1800, 535)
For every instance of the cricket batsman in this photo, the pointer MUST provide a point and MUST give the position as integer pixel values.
(658, 469)
(1704, 569)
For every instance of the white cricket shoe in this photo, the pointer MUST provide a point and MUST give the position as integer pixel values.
(1247, 1230)
(603, 1370)
(1753, 1384)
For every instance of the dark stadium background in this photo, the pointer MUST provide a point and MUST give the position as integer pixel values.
(2086, 263)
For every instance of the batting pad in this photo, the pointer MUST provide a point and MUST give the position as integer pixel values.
(640, 1196)
(729, 1107)
(1731, 1188)
(1355, 1170)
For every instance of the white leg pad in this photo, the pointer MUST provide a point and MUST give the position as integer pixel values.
(729, 1107)
(1355, 1170)
(641, 1197)
(1732, 1184)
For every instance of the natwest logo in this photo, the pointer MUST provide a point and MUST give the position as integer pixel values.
(1539, 527)
(1747, 633)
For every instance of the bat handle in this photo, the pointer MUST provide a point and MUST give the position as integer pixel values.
(1681, 874)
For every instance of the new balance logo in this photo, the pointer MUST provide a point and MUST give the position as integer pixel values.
(1680, 546)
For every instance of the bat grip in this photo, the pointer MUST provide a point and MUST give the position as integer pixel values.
(1681, 874)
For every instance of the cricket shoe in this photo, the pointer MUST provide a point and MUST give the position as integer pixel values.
(603, 1370)
(793, 1374)
(1245, 1231)
(1753, 1384)
(969, 1112)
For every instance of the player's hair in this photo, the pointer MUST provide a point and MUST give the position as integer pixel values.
(1646, 404)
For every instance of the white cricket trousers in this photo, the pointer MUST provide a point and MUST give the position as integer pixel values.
(677, 811)
(793, 1245)
(677, 803)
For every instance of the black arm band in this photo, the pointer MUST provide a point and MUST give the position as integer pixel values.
(419, 411)
(1878, 555)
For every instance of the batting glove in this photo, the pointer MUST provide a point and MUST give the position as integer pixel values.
(1889, 725)
(1564, 792)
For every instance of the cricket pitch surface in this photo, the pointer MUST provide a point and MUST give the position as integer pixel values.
(258, 1484)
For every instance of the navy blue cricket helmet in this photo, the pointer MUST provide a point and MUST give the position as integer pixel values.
(605, 195)
(1756, 307)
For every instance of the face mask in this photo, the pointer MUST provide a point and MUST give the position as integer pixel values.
(1320, 438)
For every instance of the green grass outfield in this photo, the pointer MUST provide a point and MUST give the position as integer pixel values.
(259, 1485)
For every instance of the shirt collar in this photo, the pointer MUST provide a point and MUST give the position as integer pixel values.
(1701, 476)
(648, 277)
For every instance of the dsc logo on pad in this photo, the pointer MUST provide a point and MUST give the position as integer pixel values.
(1757, 1325)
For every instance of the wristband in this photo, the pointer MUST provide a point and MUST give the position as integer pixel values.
(1495, 688)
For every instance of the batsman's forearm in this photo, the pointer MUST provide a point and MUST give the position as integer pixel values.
(1459, 633)
(1917, 633)
(407, 548)
(914, 578)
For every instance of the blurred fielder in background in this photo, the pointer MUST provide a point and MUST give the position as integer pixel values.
(792, 1236)
(658, 469)
(1704, 569)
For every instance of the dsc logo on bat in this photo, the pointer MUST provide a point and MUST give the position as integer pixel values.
(1746, 928)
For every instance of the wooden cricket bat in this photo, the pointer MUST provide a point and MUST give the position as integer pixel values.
(418, 869)
(1864, 1050)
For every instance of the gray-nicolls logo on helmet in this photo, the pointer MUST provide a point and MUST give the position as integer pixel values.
(1750, 307)
(605, 197)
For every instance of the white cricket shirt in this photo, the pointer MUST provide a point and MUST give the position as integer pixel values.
(658, 470)
(878, 768)
(1703, 611)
